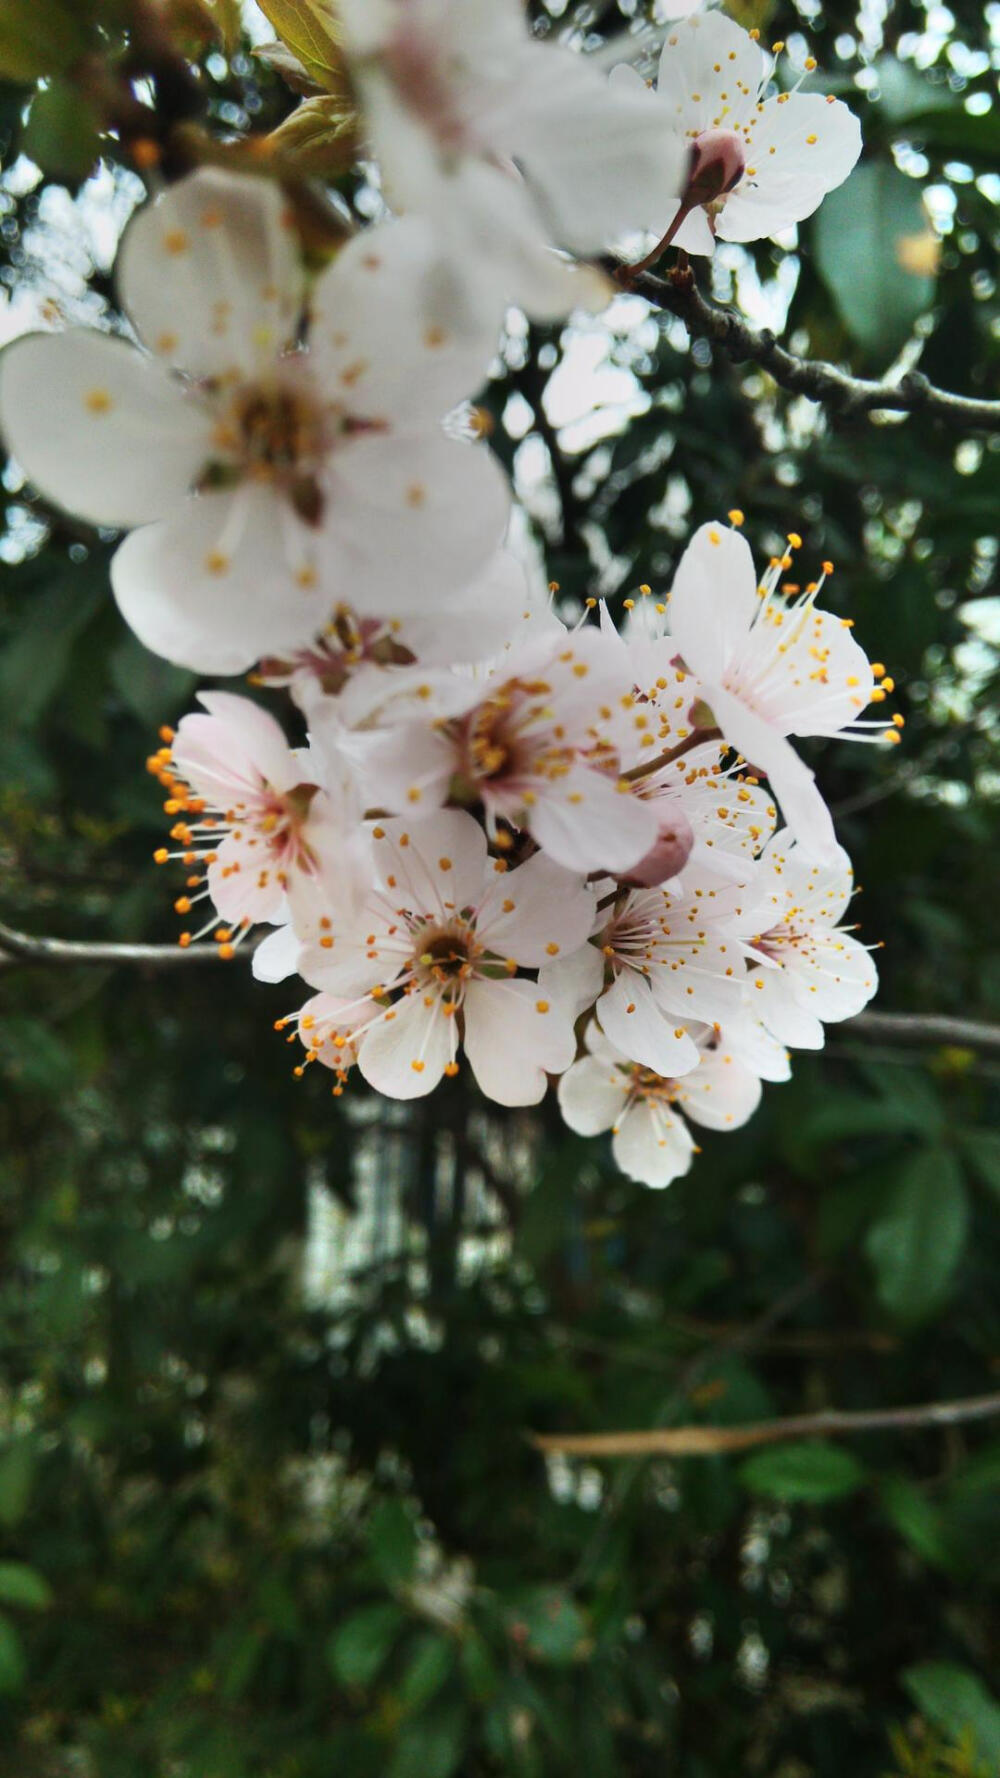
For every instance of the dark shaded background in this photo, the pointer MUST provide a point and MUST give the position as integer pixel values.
(267, 1509)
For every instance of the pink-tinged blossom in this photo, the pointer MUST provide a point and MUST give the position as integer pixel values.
(254, 820)
(509, 146)
(651, 1142)
(658, 960)
(526, 745)
(441, 944)
(268, 482)
(754, 164)
(810, 970)
(331, 1031)
(771, 664)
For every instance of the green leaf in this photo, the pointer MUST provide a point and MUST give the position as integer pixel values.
(33, 665)
(433, 1745)
(13, 1668)
(916, 1519)
(61, 134)
(39, 37)
(357, 1650)
(431, 1663)
(151, 687)
(21, 1585)
(805, 1471)
(17, 1472)
(393, 1541)
(957, 1701)
(319, 136)
(309, 29)
(876, 255)
(982, 1149)
(546, 1623)
(917, 1242)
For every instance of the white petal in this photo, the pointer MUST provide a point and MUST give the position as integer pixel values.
(410, 519)
(630, 1017)
(651, 1145)
(438, 862)
(221, 583)
(405, 768)
(277, 956)
(705, 56)
(405, 1054)
(211, 274)
(100, 428)
(586, 823)
(231, 750)
(376, 335)
(592, 1096)
(721, 1093)
(574, 980)
(815, 144)
(773, 1000)
(713, 599)
(514, 1039)
(535, 912)
(793, 784)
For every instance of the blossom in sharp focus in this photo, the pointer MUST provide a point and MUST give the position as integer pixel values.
(253, 826)
(509, 146)
(441, 945)
(268, 482)
(772, 664)
(809, 971)
(657, 961)
(651, 1142)
(526, 745)
(753, 165)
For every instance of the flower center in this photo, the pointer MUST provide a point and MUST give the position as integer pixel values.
(445, 954)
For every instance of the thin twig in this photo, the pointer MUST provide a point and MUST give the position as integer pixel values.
(692, 1441)
(19, 949)
(915, 1027)
(847, 396)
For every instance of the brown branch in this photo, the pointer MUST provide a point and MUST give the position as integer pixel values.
(915, 1027)
(692, 1441)
(848, 397)
(19, 950)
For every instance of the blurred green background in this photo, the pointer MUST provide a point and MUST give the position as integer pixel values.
(267, 1507)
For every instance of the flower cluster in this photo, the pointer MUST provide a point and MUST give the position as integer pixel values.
(549, 844)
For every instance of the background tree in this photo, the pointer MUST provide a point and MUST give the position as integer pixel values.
(267, 1506)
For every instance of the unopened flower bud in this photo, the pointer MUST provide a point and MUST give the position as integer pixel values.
(717, 165)
(669, 855)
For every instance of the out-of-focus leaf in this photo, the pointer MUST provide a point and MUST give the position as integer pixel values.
(151, 687)
(320, 136)
(40, 37)
(21, 1585)
(33, 664)
(357, 1649)
(805, 1471)
(432, 1746)
(547, 1623)
(916, 1244)
(392, 1539)
(13, 1668)
(957, 1701)
(916, 1519)
(877, 255)
(17, 1470)
(982, 1150)
(61, 134)
(429, 1662)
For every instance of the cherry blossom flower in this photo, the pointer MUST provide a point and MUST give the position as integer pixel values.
(657, 961)
(650, 1141)
(508, 145)
(441, 944)
(331, 1031)
(755, 165)
(525, 744)
(811, 970)
(771, 664)
(268, 483)
(253, 820)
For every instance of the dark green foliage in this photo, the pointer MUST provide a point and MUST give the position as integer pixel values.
(256, 1528)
